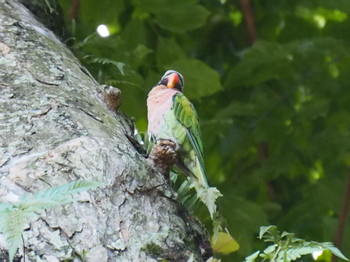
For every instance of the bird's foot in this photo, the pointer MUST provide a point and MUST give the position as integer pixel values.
(164, 155)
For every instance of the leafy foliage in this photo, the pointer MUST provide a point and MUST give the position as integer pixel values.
(207, 195)
(286, 247)
(106, 61)
(274, 115)
(15, 217)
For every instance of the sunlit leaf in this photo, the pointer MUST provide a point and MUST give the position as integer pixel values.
(224, 243)
(335, 251)
(252, 257)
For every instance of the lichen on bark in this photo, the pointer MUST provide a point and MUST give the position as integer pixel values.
(54, 128)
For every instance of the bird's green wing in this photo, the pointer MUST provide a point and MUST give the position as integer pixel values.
(186, 114)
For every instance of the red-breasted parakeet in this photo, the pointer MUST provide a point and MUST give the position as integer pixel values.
(172, 116)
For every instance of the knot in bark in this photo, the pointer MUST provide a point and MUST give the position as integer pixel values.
(111, 96)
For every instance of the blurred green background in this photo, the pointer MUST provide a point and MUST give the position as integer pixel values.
(273, 97)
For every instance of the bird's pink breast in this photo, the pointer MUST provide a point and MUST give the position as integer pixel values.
(159, 102)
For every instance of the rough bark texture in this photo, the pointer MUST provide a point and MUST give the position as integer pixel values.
(54, 128)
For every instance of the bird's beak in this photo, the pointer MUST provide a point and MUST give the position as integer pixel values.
(173, 79)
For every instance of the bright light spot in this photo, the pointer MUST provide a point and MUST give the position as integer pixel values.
(136, 132)
(138, 137)
(315, 175)
(236, 17)
(316, 254)
(317, 172)
(103, 31)
(319, 20)
(287, 122)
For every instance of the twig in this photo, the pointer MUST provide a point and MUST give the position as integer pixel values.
(24, 249)
(247, 10)
(262, 147)
(74, 10)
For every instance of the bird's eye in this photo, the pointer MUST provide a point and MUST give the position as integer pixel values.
(163, 81)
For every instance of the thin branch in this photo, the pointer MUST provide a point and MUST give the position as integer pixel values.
(24, 249)
(263, 154)
(262, 147)
(343, 214)
(74, 10)
(248, 14)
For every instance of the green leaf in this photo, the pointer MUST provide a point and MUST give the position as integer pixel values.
(252, 257)
(335, 251)
(270, 249)
(132, 36)
(180, 19)
(224, 243)
(319, 16)
(175, 16)
(168, 51)
(265, 229)
(265, 61)
(200, 79)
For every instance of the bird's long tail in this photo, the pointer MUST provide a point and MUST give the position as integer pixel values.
(199, 172)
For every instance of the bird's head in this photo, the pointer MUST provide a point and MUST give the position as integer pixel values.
(172, 79)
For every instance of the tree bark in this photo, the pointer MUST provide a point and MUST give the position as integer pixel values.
(54, 129)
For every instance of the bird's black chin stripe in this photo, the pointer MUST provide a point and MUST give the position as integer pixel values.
(178, 87)
(163, 81)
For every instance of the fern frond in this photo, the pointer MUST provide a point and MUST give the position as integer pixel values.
(12, 223)
(184, 189)
(252, 257)
(55, 196)
(106, 61)
(85, 41)
(14, 217)
(287, 247)
(207, 195)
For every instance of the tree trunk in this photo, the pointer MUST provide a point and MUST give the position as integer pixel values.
(54, 128)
